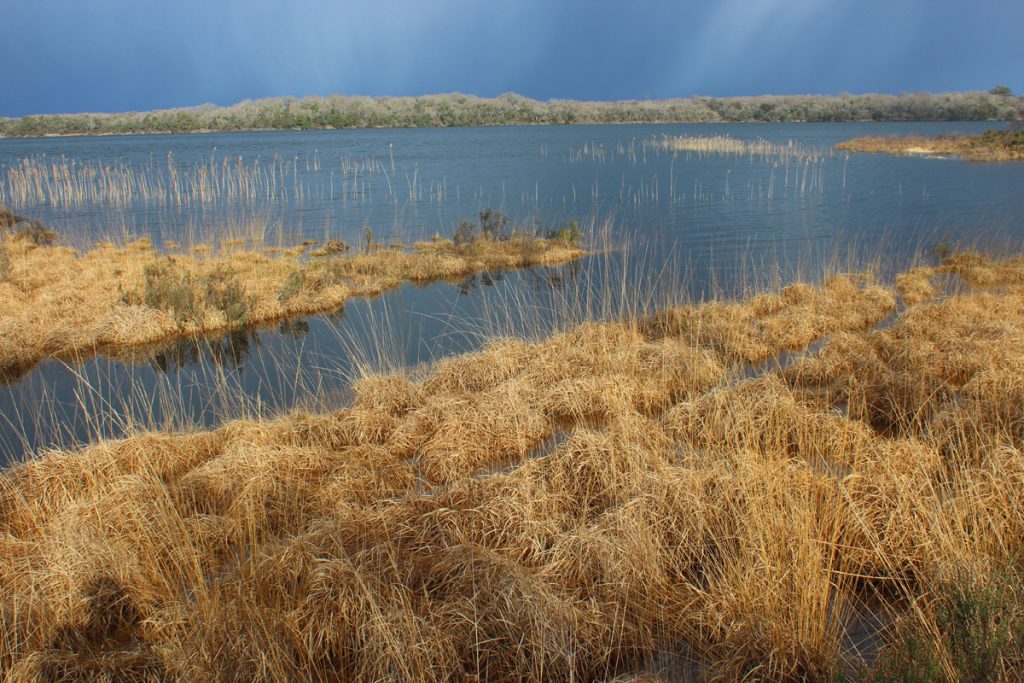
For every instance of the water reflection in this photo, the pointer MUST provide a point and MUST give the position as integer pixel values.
(297, 329)
(475, 280)
(536, 278)
(228, 352)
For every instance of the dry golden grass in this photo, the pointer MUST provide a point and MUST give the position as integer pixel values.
(726, 145)
(55, 301)
(990, 146)
(598, 505)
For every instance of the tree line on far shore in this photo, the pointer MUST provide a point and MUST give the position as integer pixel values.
(342, 111)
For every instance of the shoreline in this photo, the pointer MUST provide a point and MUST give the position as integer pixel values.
(215, 131)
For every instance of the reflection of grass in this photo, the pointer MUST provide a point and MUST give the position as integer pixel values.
(55, 301)
(596, 503)
(989, 146)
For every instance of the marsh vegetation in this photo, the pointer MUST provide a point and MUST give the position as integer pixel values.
(713, 452)
(992, 145)
(55, 301)
(629, 499)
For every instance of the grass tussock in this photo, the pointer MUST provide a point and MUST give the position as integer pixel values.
(55, 301)
(991, 145)
(620, 501)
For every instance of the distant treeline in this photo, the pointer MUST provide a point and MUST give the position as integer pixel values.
(338, 111)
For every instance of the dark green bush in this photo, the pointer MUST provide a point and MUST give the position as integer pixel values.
(569, 233)
(167, 288)
(292, 285)
(492, 226)
(225, 292)
(979, 630)
(466, 233)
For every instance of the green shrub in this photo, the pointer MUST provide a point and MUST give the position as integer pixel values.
(493, 226)
(167, 288)
(979, 631)
(569, 233)
(36, 233)
(225, 292)
(292, 285)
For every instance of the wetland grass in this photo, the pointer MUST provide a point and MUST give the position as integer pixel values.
(764, 150)
(991, 145)
(56, 301)
(625, 499)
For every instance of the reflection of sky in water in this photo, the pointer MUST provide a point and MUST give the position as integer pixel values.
(701, 224)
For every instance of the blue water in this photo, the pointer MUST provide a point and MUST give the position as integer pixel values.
(699, 218)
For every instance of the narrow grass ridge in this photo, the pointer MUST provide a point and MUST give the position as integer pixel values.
(55, 301)
(622, 499)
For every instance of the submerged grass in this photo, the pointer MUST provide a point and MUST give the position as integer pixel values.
(622, 499)
(56, 301)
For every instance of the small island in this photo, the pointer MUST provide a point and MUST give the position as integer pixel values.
(992, 145)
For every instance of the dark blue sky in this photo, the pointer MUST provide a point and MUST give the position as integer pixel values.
(120, 55)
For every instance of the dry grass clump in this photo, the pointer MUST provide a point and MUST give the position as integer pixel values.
(765, 416)
(56, 301)
(761, 327)
(726, 145)
(897, 379)
(615, 502)
(977, 270)
(989, 146)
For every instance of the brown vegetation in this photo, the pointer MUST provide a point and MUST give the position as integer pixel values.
(55, 301)
(606, 502)
(989, 146)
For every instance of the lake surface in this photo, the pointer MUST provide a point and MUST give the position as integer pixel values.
(695, 222)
